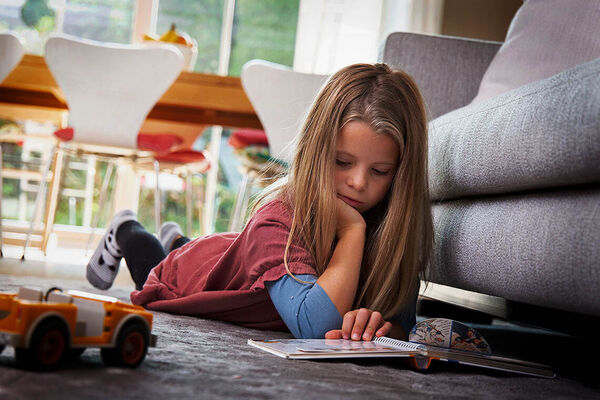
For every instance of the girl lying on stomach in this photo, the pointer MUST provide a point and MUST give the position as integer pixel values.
(334, 249)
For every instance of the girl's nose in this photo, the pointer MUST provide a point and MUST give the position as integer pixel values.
(357, 180)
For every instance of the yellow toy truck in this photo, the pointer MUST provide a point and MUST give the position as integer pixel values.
(47, 328)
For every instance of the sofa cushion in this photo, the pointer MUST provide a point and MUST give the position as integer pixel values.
(541, 135)
(545, 37)
(539, 248)
(448, 70)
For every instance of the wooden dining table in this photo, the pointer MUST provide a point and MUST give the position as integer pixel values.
(194, 98)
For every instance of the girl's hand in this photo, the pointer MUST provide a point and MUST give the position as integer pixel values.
(362, 323)
(347, 218)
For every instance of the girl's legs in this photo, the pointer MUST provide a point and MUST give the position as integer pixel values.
(141, 249)
(126, 237)
(180, 242)
(104, 263)
(168, 234)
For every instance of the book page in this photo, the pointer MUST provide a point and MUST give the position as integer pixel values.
(351, 346)
(333, 347)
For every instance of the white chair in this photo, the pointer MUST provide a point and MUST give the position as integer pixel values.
(11, 52)
(110, 89)
(281, 98)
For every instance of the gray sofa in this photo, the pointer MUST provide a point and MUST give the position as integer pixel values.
(515, 184)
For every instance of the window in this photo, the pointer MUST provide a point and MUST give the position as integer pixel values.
(261, 29)
(202, 20)
(107, 20)
(265, 30)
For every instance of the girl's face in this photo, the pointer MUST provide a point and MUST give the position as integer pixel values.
(366, 163)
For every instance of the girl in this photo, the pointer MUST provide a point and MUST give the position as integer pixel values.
(346, 233)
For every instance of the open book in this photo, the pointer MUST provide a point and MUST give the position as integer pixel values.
(462, 345)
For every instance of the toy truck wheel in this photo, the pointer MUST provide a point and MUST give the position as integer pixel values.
(131, 348)
(47, 348)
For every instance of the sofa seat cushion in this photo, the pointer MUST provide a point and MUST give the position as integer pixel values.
(544, 134)
(540, 248)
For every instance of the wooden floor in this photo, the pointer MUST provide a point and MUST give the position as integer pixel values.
(61, 263)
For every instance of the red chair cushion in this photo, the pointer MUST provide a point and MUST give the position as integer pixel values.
(64, 134)
(156, 142)
(185, 156)
(161, 143)
(246, 137)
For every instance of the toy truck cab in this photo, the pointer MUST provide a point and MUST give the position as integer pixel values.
(45, 329)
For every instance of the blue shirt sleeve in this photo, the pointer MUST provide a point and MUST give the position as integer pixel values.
(306, 309)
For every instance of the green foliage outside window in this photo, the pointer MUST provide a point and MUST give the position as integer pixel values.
(263, 30)
(201, 20)
(37, 14)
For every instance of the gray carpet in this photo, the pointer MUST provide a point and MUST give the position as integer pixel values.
(198, 358)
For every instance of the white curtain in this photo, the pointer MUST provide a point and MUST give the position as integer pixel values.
(335, 33)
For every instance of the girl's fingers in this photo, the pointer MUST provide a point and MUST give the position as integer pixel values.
(348, 323)
(361, 324)
(375, 322)
(334, 334)
(362, 318)
(384, 330)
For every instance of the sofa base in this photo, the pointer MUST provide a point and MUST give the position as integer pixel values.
(482, 308)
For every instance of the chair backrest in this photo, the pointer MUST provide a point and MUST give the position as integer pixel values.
(110, 88)
(11, 52)
(281, 98)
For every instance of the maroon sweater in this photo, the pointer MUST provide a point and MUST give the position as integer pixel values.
(222, 276)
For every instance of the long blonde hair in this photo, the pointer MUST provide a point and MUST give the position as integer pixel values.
(400, 233)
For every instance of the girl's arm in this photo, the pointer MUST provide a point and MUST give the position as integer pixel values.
(340, 278)
(306, 309)
(340, 281)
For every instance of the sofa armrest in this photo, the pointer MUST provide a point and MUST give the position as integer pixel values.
(447, 69)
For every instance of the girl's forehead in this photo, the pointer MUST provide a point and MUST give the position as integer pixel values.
(358, 139)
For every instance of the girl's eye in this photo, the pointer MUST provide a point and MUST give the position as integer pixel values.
(380, 171)
(341, 163)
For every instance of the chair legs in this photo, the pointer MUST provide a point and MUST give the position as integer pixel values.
(157, 197)
(39, 197)
(1, 193)
(188, 203)
(101, 201)
(109, 171)
(241, 203)
(189, 211)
